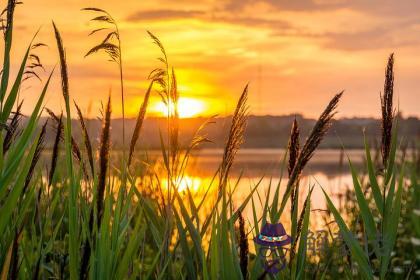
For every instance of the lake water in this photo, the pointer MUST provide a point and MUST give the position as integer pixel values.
(327, 168)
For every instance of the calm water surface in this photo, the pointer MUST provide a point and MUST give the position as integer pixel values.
(327, 168)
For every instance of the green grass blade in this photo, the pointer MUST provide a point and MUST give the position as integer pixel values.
(185, 248)
(134, 241)
(227, 263)
(301, 255)
(9, 205)
(266, 210)
(11, 98)
(365, 212)
(355, 249)
(376, 191)
(6, 61)
(154, 263)
(17, 150)
(73, 188)
(274, 205)
(294, 214)
(392, 153)
(214, 251)
(389, 199)
(390, 235)
(194, 232)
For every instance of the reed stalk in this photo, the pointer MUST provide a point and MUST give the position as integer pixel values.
(311, 144)
(387, 110)
(86, 139)
(72, 206)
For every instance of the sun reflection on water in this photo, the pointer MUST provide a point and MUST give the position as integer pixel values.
(193, 183)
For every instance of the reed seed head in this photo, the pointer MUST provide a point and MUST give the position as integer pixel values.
(236, 136)
(63, 64)
(13, 128)
(103, 159)
(293, 147)
(139, 123)
(55, 151)
(86, 139)
(38, 149)
(387, 110)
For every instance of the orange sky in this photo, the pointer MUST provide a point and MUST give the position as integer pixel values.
(294, 54)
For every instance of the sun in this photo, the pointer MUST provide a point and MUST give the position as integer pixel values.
(186, 182)
(187, 107)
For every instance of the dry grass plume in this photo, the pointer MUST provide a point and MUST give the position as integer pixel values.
(387, 109)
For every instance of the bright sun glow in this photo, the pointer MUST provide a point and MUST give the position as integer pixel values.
(186, 182)
(187, 107)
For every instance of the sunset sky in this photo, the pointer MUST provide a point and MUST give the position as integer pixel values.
(294, 54)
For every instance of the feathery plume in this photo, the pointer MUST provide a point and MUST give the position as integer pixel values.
(63, 64)
(161, 75)
(293, 150)
(387, 110)
(111, 45)
(235, 138)
(35, 64)
(54, 156)
(38, 149)
(105, 18)
(293, 147)
(174, 117)
(74, 147)
(86, 139)
(10, 10)
(160, 45)
(12, 130)
(104, 147)
(139, 123)
(7, 34)
(317, 134)
(103, 160)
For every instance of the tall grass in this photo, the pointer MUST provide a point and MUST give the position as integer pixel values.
(18, 157)
(86, 139)
(135, 222)
(73, 187)
(380, 237)
(111, 45)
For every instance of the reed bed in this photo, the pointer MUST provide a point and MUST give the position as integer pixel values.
(64, 222)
